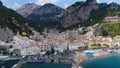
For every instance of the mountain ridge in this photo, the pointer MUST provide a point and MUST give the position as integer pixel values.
(27, 9)
(47, 15)
(79, 13)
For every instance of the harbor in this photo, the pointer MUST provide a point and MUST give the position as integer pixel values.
(75, 60)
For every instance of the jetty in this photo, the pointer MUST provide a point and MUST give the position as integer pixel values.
(78, 59)
(18, 65)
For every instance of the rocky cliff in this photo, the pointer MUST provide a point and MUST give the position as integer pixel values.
(47, 15)
(78, 12)
(48, 9)
(26, 9)
(82, 13)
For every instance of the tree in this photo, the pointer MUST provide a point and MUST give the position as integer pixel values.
(86, 47)
(65, 53)
(99, 45)
(80, 48)
(106, 45)
(52, 50)
(48, 52)
(96, 45)
(11, 46)
(83, 47)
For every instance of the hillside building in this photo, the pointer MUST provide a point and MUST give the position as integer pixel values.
(112, 19)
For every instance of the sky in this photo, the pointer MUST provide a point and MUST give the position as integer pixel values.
(14, 4)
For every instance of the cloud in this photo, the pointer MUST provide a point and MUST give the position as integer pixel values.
(42, 2)
(66, 5)
(15, 6)
(111, 1)
(98, 1)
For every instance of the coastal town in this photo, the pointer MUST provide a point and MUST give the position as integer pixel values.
(59, 34)
(61, 47)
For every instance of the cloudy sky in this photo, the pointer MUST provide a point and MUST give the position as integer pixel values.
(14, 4)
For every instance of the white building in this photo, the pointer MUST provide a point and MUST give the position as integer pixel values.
(22, 41)
(75, 46)
(112, 19)
(116, 41)
(26, 45)
(31, 50)
(46, 47)
(60, 48)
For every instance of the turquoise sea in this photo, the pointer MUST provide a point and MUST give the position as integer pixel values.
(104, 62)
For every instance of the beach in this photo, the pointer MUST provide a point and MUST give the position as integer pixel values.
(79, 58)
(82, 57)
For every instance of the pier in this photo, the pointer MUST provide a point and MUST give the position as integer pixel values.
(19, 64)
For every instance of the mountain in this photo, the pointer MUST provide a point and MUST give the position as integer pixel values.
(109, 28)
(78, 13)
(88, 13)
(104, 10)
(1, 3)
(27, 9)
(11, 23)
(47, 15)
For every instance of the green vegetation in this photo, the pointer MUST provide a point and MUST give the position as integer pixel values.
(84, 32)
(100, 46)
(97, 16)
(106, 45)
(110, 29)
(11, 46)
(83, 47)
(65, 53)
(96, 45)
(14, 21)
(50, 52)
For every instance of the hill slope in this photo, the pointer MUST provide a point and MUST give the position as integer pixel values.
(84, 14)
(78, 13)
(11, 22)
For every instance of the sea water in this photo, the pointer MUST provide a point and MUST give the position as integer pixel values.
(45, 65)
(104, 62)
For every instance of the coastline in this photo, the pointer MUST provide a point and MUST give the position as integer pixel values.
(23, 61)
(97, 57)
(76, 62)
